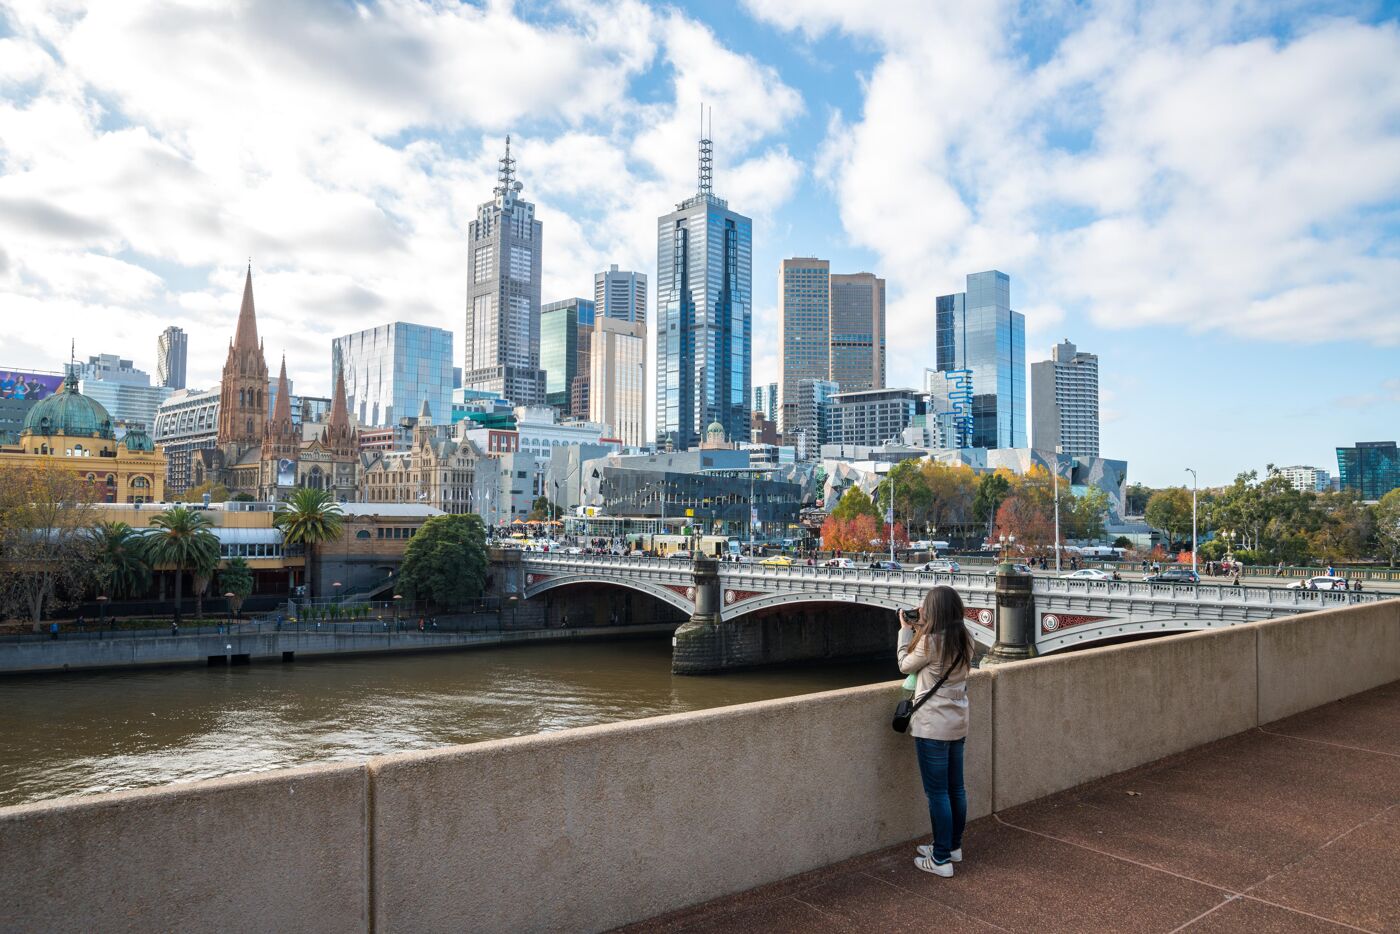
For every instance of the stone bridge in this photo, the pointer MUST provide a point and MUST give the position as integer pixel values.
(1014, 615)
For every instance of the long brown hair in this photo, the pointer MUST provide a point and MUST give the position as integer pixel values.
(942, 616)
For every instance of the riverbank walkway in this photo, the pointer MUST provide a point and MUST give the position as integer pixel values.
(1293, 826)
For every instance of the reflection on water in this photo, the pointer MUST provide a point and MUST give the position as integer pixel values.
(88, 733)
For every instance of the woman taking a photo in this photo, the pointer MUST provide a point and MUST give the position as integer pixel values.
(934, 642)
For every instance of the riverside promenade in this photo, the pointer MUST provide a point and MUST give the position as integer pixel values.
(1292, 826)
(1263, 756)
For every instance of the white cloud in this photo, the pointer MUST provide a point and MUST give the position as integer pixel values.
(1152, 168)
(147, 148)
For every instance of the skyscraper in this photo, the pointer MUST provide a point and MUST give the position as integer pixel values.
(172, 348)
(704, 316)
(503, 297)
(566, 332)
(124, 391)
(804, 311)
(857, 331)
(391, 370)
(981, 353)
(1369, 468)
(765, 400)
(620, 294)
(617, 369)
(1065, 392)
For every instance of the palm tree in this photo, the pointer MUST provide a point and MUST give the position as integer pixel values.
(308, 518)
(181, 537)
(201, 573)
(122, 570)
(236, 578)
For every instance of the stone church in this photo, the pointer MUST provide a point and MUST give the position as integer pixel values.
(268, 456)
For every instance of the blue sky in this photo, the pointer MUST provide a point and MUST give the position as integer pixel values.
(1206, 195)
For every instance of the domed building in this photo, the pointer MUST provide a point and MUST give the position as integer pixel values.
(715, 439)
(78, 429)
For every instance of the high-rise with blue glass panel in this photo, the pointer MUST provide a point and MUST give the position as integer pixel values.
(981, 347)
(704, 317)
(391, 370)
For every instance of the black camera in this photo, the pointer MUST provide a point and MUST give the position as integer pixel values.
(909, 616)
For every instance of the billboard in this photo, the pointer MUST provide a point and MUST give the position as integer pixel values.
(286, 472)
(16, 384)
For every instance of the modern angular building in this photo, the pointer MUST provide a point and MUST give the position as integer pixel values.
(704, 317)
(391, 370)
(503, 296)
(765, 400)
(566, 332)
(1370, 468)
(620, 294)
(856, 331)
(1065, 391)
(981, 354)
(172, 350)
(811, 418)
(125, 392)
(617, 379)
(804, 312)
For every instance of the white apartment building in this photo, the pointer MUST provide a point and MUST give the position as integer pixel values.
(617, 377)
(1065, 401)
(1306, 479)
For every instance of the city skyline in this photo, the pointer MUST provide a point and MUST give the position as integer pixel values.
(361, 219)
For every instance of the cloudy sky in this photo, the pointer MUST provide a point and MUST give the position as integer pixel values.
(1206, 194)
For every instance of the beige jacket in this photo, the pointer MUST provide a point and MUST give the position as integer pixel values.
(944, 715)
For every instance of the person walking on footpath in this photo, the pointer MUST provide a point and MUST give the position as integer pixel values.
(934, 644)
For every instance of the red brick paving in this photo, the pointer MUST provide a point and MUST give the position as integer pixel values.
(1294, 827)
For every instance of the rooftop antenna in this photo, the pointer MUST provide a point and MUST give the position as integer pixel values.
(506, 175)
(706, 157)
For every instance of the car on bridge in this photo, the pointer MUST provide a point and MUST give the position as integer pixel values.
(886, 566)
(777, 561)
(679, 555)
(843, 563)
(1174, 576)
(941, 566)
(1088, 574)
(1018, 567)
(1320, 583)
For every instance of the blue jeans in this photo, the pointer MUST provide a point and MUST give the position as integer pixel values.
(941, 765)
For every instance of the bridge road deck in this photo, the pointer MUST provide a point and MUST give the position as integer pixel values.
(1293, 826)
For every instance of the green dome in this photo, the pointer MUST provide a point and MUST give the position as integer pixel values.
(715, 428)
(137, 440)
(69, 413)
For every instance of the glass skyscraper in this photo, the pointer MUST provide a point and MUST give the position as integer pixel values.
(1370, 468)
(621, 294)
(857, 331)
(566, 329)
(981, 353)
(392, 369)
(704, 317)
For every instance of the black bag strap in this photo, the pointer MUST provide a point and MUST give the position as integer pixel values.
(920, 702)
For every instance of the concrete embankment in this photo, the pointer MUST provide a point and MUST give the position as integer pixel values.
(144, 650)
(589, 828)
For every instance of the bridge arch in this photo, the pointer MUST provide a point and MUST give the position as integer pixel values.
(660, 592)
(740, 608)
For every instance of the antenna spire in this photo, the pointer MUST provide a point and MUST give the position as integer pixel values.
(506, 173)
(706, 156)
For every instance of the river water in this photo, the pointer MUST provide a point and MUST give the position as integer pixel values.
(84, 733)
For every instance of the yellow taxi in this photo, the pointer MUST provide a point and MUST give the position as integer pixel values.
(777, 561)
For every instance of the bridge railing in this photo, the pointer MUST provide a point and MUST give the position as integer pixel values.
(1204, 593)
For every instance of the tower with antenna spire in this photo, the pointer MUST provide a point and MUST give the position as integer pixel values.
(502, 342)
(704, 314)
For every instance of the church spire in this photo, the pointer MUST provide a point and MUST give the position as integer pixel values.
(340, 413)
(282, 411)
(245, 337)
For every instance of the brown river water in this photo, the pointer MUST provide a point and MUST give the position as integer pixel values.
(83, 733)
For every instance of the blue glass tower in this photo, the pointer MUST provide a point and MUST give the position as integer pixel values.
(704, 317)
(391, 370)
(982, 356)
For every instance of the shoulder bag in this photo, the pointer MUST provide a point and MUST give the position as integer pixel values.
(904, 710)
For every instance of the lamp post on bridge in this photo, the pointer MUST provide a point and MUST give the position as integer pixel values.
(398, 626)
(1193, 518)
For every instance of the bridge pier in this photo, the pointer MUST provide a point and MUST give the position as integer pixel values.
(700, 641)
(1016, 619)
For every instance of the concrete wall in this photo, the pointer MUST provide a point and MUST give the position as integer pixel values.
(282, 851)
(1309, 660)
(585, 829)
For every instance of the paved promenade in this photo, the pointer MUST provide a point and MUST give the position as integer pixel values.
(1291, 827)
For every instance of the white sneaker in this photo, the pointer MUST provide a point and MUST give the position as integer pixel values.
(926, 851)
(927, 864)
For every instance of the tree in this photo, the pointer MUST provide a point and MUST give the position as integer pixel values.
(1123, 542)
(855, 503)
(991, 490)
(218, 493)
(540, 510)
(1030, 522)
(1082, 516)
(1388, 525)
(445, 562)
(1135, 499)
(201, 573)
(236, 578)
(309, 518)
(46, 543)
(119, 560)
(181, 538)
(1169, 511)
(854, 534)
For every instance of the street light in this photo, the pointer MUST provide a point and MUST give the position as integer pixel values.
(398, 627)
(102, 610)
(1193, 518)
(228, 600)
(1055, 472)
